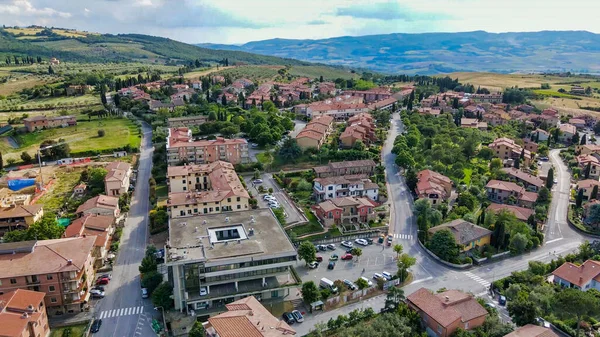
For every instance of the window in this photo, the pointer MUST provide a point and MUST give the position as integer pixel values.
(239, 206)
(51, 288)
(184, 188)
(53, 299)
(466, 325)
(182, 213)
(439, 328)
(49, 277)
(13, 281)
(183, 181)
(217, 209)
(238, 199)
(195, 210)
(228, 199)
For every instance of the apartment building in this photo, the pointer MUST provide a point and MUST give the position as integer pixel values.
(567, 131)
(19, 217)
(61, 268)
(116, 181)
(433, 186)
(23, 314)
(315, 132)
(43, 122)
(180, 122)
(505, 192)
(529, 181)
(216, 259)
(181, 149)
(371, 95)
(356, 185)
(100, 226)
(506, 149)
(341, 168)
(205, 189)
(345, 210)
(493, 98)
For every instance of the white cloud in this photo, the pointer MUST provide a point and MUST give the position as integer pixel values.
(26, 8)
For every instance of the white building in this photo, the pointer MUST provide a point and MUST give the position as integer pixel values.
(357, 185)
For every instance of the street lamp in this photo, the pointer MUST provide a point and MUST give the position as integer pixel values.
(163, 316)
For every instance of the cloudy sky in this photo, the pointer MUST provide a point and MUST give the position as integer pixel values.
(240, 21)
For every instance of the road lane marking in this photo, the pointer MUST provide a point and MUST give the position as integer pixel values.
(478, 279)
(121, 312)
(422, 280)
(403, 236)
(547, 242)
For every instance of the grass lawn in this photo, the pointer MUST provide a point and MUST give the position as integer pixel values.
(162, 191)
(81, 138)
(61, 190)
(264, 157)
(312, 226)
(76, 331)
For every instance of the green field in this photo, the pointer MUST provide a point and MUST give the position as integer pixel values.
(328, 73)
(81, 138)
(553, 93)
(76, 331)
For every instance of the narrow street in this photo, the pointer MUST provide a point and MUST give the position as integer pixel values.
(123, 311)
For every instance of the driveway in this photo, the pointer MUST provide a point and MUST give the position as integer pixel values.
(293, 214)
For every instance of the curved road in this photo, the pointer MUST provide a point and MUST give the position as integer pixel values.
(560, 239)
(123, 311)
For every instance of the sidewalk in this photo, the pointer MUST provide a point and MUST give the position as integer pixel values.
(70, 319)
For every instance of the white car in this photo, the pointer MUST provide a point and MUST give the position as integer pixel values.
(361, 242)
(347, 244)
(268, 197)
(203, 291)
(331, 246)
(274, 205)
(97, 292)
(313, 265)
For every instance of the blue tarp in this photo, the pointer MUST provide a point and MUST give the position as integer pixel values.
(18, 184)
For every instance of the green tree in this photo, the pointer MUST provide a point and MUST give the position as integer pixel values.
(579, 198)
(290, 151)
(151, 280)
(197, 330)
(405, 160)
(550, 178)
(212, 116)
(405, 261)
(443, 244)
(307, 252)
(518, 243)
(356, 252)
(46, 228)
(597, 128)
(522, 311)
(310, 292)
(543, 195)
(574, 303)
(398, 250)
(594, 194)
(96, 177)
(394, 297)
(161, 297)
(361, 283)
(101, 133)
(148, 265)
(593, 216)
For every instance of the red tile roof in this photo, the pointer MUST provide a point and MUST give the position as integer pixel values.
(447, 307)
(579, 275)
(521, 213)
(531, 330)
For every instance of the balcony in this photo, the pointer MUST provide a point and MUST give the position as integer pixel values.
(32, 281)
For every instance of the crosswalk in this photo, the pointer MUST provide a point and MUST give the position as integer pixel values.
(403, 236)
(478, 279)
(121, 312)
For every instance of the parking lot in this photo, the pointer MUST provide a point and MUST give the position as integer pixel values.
(292, 213)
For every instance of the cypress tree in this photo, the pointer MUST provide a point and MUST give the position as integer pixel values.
(579, 198)
(594, 194)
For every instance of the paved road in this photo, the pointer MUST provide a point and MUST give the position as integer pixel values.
(293, 214)
(123, 311)
(560, 240)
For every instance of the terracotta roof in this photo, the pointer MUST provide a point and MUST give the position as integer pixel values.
(100, 201)
(526, 177)
(579, 275)
(310, 134)
(431, 182)
(588, 183)
(12, 306)
(48, 256)
(447, 307)
(248, 318)
(218, 141)
(568, 128)
(20, 211)
(520, 212)
(324, 120)
(504, 186)
(337, 203)
(338, 180)
(531, 330)
(463, 231)
(91, 225)
(584, 159)
(117, 171)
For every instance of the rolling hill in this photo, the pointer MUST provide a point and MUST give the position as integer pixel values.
(433, 53)
(85, 47)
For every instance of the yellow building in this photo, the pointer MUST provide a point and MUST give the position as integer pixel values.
(466, 234)
(205, 189)
(19, 217)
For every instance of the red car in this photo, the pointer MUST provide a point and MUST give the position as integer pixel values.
(319, 258)
(347, 257)
(103, 280)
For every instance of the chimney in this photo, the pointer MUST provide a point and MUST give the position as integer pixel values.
(25, 315)
(69, 262)
(447, 298)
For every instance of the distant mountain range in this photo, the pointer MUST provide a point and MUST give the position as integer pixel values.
(92, 47)
(432, 53)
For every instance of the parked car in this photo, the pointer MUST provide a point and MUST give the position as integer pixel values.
(298, 316)
(369, 241)
(101, 288)
(322, 248)
(368, 281)
(377, 276)
(347, 256)
(254, 145)
(331, 246)
(361, 242)
(313, 265)
(102, 281)
(108, 276)
(331, 265)
(319, 258)
(269, 197)
(203, 291)
(347, 244)
(350, 284)
(96, 326)
(144, 293)
(257, 181)
(334, 257)
(97, 292)
(386, 275)
(273, 205)
(288, 318)
(502, 300)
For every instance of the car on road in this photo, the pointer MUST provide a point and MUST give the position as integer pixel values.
(298, 316)
(97, 291)
(331, 246)
(96, 326)
(350, 284)
(556, 181)
(273, 205)
(144, 293)
(288, 318)
(347, 244)
(203, 291)
(257, 181)
(313, 265)
(347, 256)
(319, 258)
(331, 265)
(102, 281)
(334, 257)
(361, 242)
(502, 300)
(349, 250)
(544, 158)
(490, 305)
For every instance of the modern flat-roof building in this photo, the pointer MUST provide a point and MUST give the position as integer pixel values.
(231, 256)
